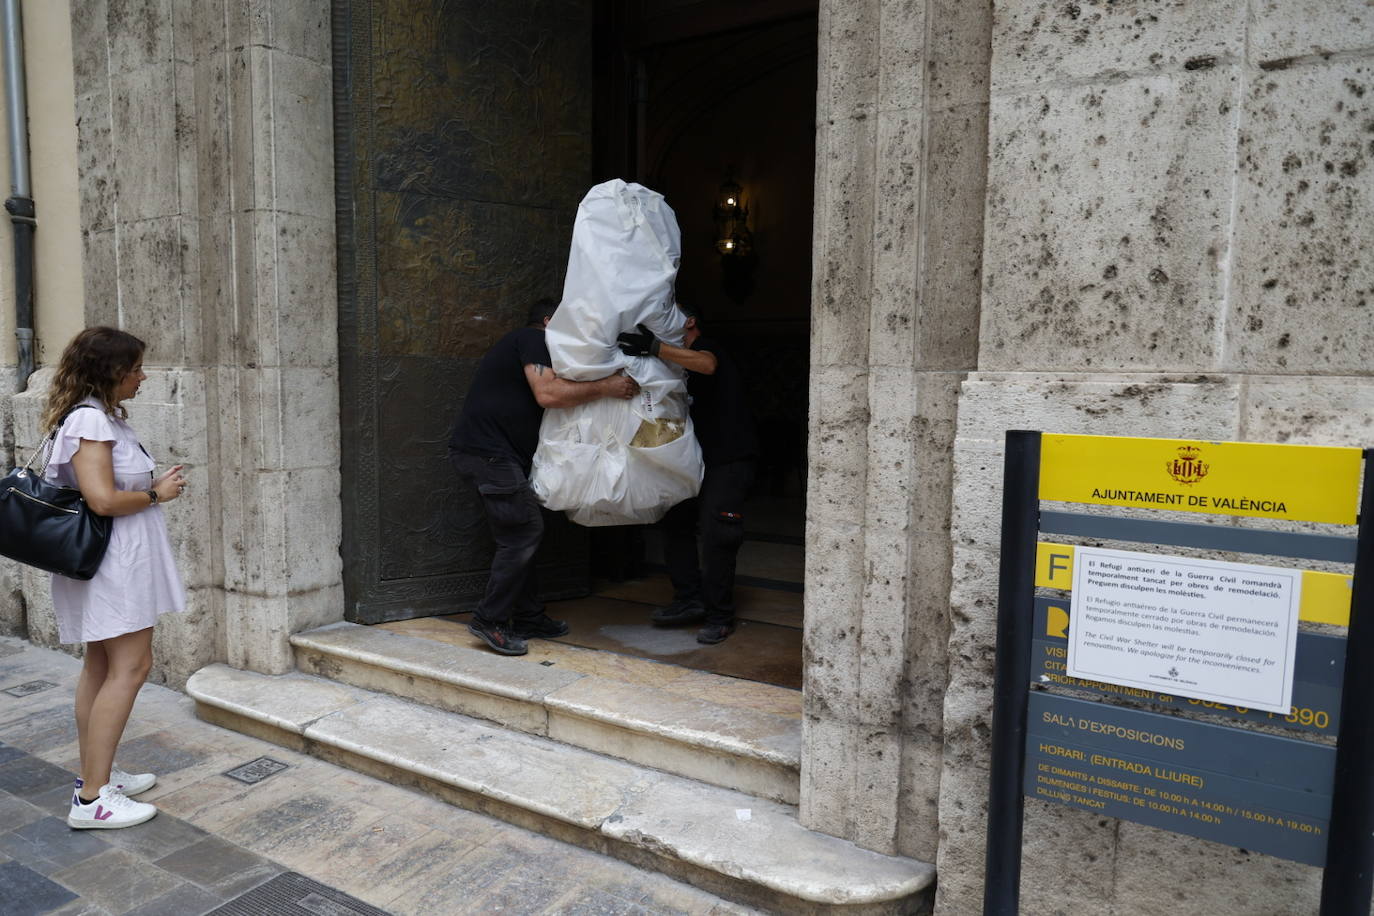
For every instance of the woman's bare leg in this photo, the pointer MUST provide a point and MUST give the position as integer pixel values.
(129, 658)
(93, 671)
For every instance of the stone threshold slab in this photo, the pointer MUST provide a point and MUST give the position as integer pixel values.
(683, 827)
(744, 749)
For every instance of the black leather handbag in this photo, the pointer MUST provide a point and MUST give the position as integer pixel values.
(50, 526)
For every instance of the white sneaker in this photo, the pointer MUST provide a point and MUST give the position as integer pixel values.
(110, 810)
(131, 783)
(128, 783)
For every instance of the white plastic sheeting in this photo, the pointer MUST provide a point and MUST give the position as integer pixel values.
(610, 461)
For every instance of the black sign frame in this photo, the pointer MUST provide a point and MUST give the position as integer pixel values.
(1348, 876)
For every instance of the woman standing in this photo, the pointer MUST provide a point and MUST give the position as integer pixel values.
(113, 613)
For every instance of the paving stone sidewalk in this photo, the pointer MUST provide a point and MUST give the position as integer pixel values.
(306, 837)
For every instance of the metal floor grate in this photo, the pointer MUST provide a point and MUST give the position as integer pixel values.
(291, 894)
(255, 771)
(32, 687)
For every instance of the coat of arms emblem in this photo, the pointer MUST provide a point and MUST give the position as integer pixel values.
(1188, 467)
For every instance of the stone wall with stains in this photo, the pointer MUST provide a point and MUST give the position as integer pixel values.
(1101, 216)
(205, 177)
(900, 167)
(1179, 196)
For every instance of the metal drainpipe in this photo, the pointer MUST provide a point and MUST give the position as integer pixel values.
(20, 204)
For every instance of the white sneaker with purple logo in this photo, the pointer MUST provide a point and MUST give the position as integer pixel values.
(110, 810)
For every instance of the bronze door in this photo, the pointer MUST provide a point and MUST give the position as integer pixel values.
(463, 144)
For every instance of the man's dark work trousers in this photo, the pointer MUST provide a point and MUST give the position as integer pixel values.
(718, 514)
(516, 527)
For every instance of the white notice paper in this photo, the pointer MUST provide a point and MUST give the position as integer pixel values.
(1206, 629)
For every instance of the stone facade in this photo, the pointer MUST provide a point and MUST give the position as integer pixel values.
(1173, 195)
(205, 172)
(1163, 203)
(1093, 217)
(901, 115)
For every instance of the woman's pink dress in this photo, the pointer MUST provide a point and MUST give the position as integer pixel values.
(137, 581)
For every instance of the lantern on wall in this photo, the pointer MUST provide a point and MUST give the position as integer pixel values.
(733, 239)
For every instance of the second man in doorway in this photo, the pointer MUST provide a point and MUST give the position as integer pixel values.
(704, 584)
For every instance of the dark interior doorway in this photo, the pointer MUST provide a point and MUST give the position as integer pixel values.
(467, 132)
(711, 98)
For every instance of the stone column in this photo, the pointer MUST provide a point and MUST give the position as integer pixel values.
(206, 176)
(1173, 207)
(271, 219)
(901, 118)
(134, 107)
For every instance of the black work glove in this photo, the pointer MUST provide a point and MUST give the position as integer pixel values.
(642, 344)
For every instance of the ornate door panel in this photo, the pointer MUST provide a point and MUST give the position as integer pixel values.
(463, 144)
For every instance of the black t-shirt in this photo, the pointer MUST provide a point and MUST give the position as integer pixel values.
(720, 409)
(500, 416)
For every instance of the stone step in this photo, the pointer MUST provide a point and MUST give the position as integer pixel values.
(748, 750)
(734, 845)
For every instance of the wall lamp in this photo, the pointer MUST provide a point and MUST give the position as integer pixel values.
(733, 239)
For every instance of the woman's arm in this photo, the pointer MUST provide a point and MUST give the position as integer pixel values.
(94, 467)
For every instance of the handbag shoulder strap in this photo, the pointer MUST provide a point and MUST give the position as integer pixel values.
(49, 442)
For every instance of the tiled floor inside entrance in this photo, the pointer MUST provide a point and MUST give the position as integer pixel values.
(765, 649)
(758, 667)
(668, 671)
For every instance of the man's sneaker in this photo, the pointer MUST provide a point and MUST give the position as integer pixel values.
(500, 638)
(110, 810)
(541, 627)
(681, 611)
(713, 633)
(127, 783)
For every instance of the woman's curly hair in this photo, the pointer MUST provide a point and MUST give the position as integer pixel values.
(92, 366)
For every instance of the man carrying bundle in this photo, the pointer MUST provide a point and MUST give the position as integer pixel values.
(493, 445)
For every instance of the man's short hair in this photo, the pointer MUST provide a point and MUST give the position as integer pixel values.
(691, 311)
(541, 309)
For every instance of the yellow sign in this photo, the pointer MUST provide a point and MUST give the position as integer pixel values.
(1325, 596)
(1296, 482)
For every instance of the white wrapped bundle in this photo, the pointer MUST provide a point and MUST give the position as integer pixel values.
(614, 462)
